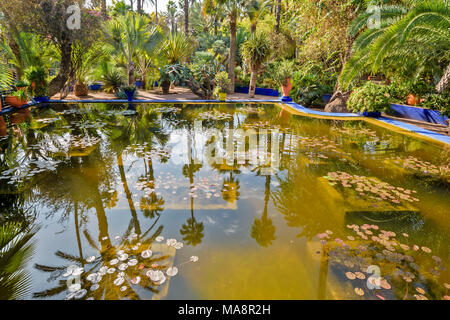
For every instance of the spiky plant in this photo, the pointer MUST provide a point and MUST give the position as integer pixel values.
(256, 51)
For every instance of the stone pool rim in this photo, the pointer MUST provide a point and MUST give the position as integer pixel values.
(294, 108)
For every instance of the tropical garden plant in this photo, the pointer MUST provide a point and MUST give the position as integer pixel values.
(370, 98)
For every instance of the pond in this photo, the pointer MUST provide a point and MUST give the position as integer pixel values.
(219, 201)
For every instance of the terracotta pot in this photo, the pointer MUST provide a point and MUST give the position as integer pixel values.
(15, 101)
(287, 89)
(81, 90)
(412, 100)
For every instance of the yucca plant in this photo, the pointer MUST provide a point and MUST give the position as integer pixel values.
(256, 51)
(177, 48)
(418, 34)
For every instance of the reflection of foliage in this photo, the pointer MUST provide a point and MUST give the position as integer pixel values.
(192, 231)
(15, 251)
(263, 230)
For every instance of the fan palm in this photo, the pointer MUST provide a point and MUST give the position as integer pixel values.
(128, 34)
(402, 35)
(255, 9)
(15, 251)
(255, 51)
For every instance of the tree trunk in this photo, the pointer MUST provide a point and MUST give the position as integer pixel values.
(186, 17)
(253, 78)
(65, 70)
(443, 83)
(215, 25)
(278, 11)
(130, 73)
(139, 6)
(253, 27)
(232, 62)
(103, 9)
(156, 11)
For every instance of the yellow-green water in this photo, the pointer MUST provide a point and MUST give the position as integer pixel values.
(328, 204)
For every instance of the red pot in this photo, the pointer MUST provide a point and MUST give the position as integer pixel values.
(412, 100)
(15, 101)
(287, 89)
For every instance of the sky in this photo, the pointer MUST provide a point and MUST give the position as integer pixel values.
(162, 5)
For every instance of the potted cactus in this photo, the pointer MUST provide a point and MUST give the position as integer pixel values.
(223, 84)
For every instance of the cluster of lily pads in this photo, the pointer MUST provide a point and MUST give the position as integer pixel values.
(155, 152)
(321, 146)
(411, 270)
(167, 109)
(371, 187)
(28, 170)
(423, 167)
(215, 115)
(130, 267)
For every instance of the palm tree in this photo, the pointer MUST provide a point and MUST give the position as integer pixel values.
(255, 10)
(128, 34)
(278, 15)
(5, 75)
(232, 8)
(418, 34)
(172, 14)
(177, 48)
(15, 251)
(255, 51)
(186, 16)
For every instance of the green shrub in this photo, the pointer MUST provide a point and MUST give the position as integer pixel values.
(440, 102)
(370, 98)
(112, 80)
(309, 88)
(21, 83)
(38, 76)
(21, 94)
(174, 73)
(284, 71)
(222, 82)
(122, 95)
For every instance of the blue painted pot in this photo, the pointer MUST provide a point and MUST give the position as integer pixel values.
(139, 84)
(286, 99)
(129, 94)
(371, 114)
(326, 98)
(41, 99)
(95, 87)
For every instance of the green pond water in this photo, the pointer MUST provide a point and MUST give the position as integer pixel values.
(218, 201)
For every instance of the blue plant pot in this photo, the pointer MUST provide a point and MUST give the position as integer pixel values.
(286, 99)
(130, 95)
(326, 97)
(41, 99)
(139, 84)
(371, 114)
(95, 87)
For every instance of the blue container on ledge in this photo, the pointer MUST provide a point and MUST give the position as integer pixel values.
(95, 87)
(41, 99)
(370, 114)
(130, 94)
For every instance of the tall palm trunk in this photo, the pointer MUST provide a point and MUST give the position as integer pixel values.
(103, 9)
(443, 83)
(186, 17)
(233, 31)
(278, 11)
(253, 78)
(156, 11)
(130, 68)
(139, 6)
